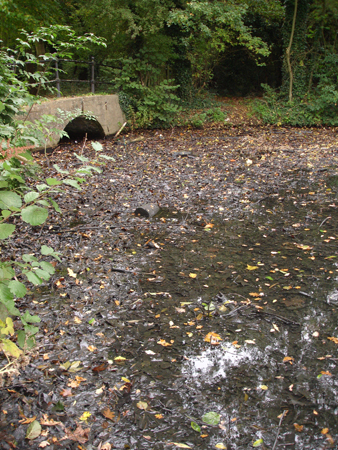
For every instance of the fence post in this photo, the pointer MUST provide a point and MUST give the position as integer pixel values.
(57, 79)
(92, 82)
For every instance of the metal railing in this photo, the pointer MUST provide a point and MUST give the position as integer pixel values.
(93, 81)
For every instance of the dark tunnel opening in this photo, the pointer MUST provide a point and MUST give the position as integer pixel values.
(80, 126)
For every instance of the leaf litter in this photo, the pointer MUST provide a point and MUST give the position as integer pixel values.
(242, 253)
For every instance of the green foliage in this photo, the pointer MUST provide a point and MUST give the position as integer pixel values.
(318, 107)
(19, 201)
(147, 100)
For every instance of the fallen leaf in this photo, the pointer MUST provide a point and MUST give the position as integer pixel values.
(250, 341)
(325, 431)
(91, 348)
(251, 267)
(263, 387)
(108, 414)
(44, 444)
(48, 422)
(289, 359)
(142, 405)
(192, 275)
(105, 446)
(27, 420)
(100, 368)
(159, 416)
(66, 393)
(298, 428)
(221, 446)
(85, 416)
(71, 273)
(213, 338)
(333, 339)
(164, 343)
(177, 444)
(79, 434)
(34, 430)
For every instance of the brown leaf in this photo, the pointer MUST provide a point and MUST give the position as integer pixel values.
(108, 414)
(100, 368)
(79, 435)
(333, 339)
(49, 422)
(27, 420)
(66, 393)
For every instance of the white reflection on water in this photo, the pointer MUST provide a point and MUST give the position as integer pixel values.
(217, 361)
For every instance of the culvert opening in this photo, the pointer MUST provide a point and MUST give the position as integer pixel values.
(80, 126)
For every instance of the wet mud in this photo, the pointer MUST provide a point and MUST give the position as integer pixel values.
(225, 302)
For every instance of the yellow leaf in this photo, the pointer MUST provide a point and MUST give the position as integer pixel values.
(9, 347)
(177, 444)
(254, 294)
(325, 431)
(91, 348)
(85, 416)
(209, 225)
(263, 387)
(220, 445)
(333, 339)
(71, 273)
(142, 405)
(251, 267)
(213, 338)
(164, 343)
(125, 379)
(288, 359)
(192, 275)
(119, 358)
(298, 428)
(77, 320)
(159, 416)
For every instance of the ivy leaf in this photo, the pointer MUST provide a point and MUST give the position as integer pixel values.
(34, 215)
(6, 229)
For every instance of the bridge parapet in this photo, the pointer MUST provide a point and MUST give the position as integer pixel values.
(105, 108)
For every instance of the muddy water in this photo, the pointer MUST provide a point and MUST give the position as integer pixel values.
(261, 278)
(266, 285)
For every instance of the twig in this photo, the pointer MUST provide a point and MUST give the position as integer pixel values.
(84, 144)
(278, 429)
(324, 221)
(283, 319)
(125, 123)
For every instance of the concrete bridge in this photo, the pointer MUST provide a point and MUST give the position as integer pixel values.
(105, 108)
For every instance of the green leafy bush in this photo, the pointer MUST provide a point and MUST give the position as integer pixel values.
(146, 98)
